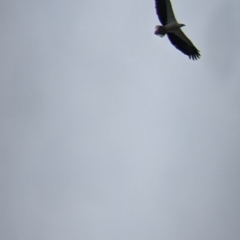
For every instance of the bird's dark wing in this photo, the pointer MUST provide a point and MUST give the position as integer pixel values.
(182, 43)
(164, 11)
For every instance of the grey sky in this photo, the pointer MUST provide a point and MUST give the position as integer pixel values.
(109, 132)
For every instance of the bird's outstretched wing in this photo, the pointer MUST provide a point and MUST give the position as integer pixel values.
(182, 43)
(164, 11)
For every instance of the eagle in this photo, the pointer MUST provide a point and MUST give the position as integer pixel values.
(173, 29)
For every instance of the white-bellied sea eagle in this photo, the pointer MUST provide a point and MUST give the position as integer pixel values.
(173, 29)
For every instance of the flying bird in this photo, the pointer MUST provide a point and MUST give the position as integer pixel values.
(173, 29)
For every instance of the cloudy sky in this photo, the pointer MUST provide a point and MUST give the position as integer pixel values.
(110, 133)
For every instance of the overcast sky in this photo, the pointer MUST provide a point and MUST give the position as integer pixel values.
(110, 133)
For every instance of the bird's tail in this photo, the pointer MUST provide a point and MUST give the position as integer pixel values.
(160, 31)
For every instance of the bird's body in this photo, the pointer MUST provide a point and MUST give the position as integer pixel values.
(173, 29)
